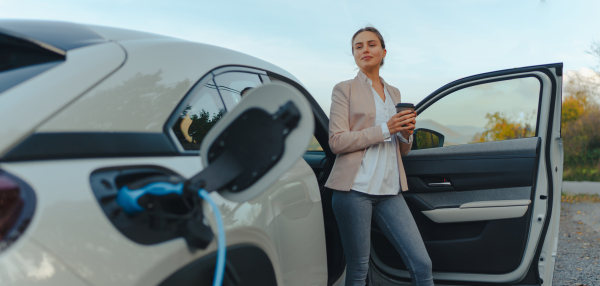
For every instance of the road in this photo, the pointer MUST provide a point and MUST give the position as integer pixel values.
(578, 257)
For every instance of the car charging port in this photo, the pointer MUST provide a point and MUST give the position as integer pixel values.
(160, 217)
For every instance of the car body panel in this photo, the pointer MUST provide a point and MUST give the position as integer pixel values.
(157, 65)
(283, 222)
(27, 105)
(29, 264)
(132, 86)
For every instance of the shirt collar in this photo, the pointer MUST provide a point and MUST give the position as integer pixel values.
(363, 77)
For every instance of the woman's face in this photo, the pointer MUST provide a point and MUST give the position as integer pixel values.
(368, 52)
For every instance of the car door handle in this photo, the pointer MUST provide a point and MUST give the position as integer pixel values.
(442, 184)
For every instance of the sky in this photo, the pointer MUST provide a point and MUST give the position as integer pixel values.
(429, 43)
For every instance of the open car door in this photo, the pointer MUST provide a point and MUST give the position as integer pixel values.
(485, 178)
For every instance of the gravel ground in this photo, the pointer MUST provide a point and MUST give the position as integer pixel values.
(578, 257)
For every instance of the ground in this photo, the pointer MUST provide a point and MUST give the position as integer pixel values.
(578, 257)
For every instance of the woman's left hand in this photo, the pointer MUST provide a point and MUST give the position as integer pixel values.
(411, 128)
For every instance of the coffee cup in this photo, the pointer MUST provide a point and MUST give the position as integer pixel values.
(404, 106)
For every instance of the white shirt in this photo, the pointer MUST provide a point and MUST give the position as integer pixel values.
(378, 173)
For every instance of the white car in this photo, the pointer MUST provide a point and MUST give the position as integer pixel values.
(86, 110)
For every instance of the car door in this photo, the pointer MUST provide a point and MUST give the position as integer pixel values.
(487, 200)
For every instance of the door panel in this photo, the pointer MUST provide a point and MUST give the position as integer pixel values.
(482, 209)
(462, 239)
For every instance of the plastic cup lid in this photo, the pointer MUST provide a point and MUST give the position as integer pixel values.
(409, 105)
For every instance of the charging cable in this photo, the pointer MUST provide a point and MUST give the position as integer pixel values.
(221, 248)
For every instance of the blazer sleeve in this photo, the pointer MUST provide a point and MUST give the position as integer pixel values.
(341, 139)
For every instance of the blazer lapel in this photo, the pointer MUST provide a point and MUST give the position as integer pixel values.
(366, 94)
(395, 96)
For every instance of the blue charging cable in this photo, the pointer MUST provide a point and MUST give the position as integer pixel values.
(221, 249)
(128, 200)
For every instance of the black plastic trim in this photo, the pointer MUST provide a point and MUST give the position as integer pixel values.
(48, 146)
(393, 280)
(249, 265)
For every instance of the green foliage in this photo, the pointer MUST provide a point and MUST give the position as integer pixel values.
(500, 127)
(202, 123)
(314, 145)
(426, 140)
(572, 109)
(581, 141)
(581, 173)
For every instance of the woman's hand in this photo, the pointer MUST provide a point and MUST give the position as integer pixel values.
(403, 122)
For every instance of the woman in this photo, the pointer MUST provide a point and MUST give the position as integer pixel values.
(369, 138)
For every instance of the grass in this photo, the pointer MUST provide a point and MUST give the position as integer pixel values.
(581, 173)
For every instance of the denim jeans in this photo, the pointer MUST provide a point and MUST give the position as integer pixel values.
(353, 211)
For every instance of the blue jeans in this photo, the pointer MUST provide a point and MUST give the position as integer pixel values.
(353, 211)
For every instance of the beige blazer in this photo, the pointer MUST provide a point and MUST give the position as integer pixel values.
(351, 130)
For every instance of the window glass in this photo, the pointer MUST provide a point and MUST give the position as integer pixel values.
(233, 84)
(202, 111)
(314, 145)
(492, 111)
(21, 60)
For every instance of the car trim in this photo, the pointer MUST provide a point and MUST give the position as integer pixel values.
(48, 146)
(453, 215)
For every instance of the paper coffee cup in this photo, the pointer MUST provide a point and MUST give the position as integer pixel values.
(404, 106)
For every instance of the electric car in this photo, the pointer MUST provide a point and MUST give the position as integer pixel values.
(88, 110)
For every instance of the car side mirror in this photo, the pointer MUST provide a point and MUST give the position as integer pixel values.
(255, 143)
(426, 138)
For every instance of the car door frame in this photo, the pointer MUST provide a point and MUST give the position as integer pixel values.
(548, 187)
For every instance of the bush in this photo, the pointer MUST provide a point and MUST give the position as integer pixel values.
(581, 141)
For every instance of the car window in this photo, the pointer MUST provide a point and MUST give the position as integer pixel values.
(233, 85)
(493, 111)
(203, 109)
(21, 60)
(314, 145)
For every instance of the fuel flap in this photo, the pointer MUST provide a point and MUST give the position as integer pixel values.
(258, 141)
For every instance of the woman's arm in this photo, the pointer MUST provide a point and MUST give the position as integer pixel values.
(341, 139)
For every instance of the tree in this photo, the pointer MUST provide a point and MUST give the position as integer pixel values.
(581, 124)
(202, 123)
(572, 108)
(500, 127)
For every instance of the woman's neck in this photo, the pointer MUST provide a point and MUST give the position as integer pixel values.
(373, 75)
